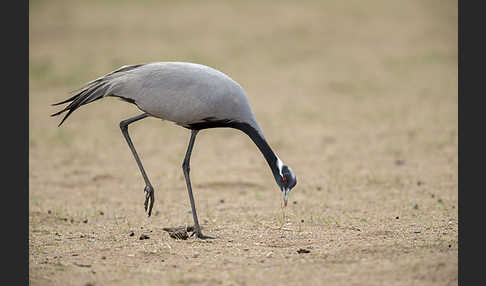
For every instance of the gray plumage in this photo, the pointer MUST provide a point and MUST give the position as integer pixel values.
(184, 93)
(191, 95)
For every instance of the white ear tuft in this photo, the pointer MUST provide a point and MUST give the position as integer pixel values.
(279, 165)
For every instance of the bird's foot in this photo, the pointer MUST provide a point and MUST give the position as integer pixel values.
(200, 235)
(149, 196)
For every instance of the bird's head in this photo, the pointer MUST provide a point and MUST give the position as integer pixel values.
(286, 180)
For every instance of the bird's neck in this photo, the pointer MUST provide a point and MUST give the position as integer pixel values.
(256, 136)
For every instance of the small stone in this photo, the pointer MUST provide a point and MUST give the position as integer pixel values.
(132, 233)
(85, 221)
(49, 211)
(397, 217)
(102, 213)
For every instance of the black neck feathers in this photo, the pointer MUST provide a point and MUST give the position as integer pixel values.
(253, 132)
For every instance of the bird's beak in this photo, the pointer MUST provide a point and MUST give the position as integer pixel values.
(285, 194)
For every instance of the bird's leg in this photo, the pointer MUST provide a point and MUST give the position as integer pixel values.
(149, 190)
(186, 169)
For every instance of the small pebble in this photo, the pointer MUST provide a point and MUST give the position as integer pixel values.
(102, 213)
(49, 211)
(132, 233)
(85, 221)
(397, 217)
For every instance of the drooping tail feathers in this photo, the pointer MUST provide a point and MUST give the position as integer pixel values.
(91, 91)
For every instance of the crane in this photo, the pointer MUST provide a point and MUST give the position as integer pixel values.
(191, 95)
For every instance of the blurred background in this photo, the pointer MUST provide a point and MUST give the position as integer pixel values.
(358, 97)
(315, 71)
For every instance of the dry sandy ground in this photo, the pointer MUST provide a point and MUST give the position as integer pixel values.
(358, 97)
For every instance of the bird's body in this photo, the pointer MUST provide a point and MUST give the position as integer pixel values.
(184, 93)
(191, 95)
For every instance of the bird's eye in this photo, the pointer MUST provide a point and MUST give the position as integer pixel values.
(284, 179)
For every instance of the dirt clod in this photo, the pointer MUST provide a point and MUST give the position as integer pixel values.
(144, 236)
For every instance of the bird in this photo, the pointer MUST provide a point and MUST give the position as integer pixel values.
(191, 95)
